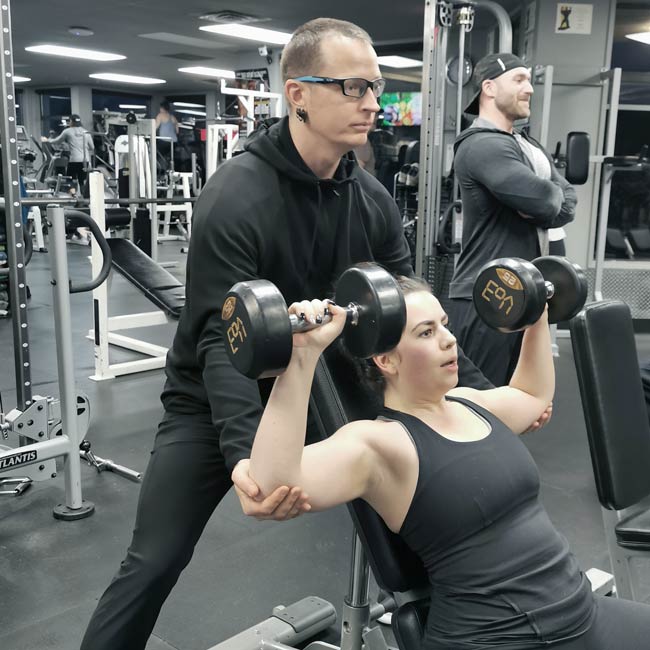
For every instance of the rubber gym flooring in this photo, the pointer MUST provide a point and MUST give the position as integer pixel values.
(53, 572)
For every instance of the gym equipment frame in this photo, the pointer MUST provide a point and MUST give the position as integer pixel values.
(213, 136)
(248, 97)
(41, 429)
(439, 19)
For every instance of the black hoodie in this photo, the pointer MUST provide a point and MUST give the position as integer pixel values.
(498, 187)
(264, 214)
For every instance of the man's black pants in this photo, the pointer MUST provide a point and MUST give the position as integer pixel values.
(185, 480)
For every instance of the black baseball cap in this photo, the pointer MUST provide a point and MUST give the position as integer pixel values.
(491, 67)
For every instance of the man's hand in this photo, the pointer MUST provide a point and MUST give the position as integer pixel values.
(284, 503)
(542, 420)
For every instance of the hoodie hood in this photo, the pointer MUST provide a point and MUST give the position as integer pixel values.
(272, 142)
(473, 130)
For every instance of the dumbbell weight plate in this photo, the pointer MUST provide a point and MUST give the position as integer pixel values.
(382, 310)
(509, 294)
(570, 284)
(256, 329)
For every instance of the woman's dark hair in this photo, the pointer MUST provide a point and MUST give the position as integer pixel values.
(369, 374)
(165, 106)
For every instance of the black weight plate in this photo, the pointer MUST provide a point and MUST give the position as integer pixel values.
(509, 294)
(256, 329)
(570, 284)
(381, 306)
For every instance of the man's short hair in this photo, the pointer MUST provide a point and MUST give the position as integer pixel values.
(302, 55)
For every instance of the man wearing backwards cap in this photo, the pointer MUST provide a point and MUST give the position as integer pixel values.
(512, 195)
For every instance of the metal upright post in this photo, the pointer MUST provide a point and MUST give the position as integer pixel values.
(134, 193)
(74, 507)
(13, 215)
(152, 189)
(607, 173)
(437, 20)
(465, 23)
(613, 89)
(357, 606)
(546, 106)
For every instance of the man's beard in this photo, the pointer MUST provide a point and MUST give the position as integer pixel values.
(514, 110)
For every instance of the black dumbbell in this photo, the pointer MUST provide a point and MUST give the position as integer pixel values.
(510, 293)
(258, 328)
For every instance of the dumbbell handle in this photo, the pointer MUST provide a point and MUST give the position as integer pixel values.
(550, 289)
(300, 325)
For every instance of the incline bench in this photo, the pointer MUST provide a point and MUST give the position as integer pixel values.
(165, 291)
(155, 282)
(337, 398)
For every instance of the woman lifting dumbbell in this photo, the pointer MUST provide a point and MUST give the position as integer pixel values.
(443, 467)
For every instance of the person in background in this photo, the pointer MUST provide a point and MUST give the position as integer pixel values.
(167, 127)
(512, 196)
(81, 147)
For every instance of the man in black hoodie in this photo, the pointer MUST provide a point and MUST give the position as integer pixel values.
(293, 209)
(512, 196)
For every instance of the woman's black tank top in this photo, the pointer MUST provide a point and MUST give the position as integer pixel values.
(501, 574)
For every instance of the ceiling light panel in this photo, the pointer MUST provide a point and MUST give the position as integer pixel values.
(398, 62)
(188, 105)
(189, 111)
(209, 72)
(641, 37)
(18, 79)
(133, 106)
(74, 53)
(126, 78)
(250, 33)
(189, 41)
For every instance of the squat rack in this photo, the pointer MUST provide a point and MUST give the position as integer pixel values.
(14, 224)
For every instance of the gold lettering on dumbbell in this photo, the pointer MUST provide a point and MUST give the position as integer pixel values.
(236, 332)
(499, 294)
(228, 308)
(508, 278)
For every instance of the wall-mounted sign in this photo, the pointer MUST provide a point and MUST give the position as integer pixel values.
(573, 18)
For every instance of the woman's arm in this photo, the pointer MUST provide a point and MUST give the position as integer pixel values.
(330, 472)
(532, 385)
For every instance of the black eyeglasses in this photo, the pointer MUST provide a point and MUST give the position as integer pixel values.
(353, 87)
